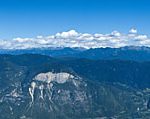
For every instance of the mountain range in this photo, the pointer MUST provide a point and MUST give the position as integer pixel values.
(135, 53)
(66, 83)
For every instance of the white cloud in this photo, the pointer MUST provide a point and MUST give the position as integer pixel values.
(74, 39)
(69, 34)
(141, 37)
(116, 33)
(133, 30)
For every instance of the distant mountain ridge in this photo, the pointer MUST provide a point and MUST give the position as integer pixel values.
(134, 53)
(123, 53)
(44, 51)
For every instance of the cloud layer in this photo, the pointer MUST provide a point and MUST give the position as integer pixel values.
(74, 39)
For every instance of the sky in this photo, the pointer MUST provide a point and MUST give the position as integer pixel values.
(30, 18)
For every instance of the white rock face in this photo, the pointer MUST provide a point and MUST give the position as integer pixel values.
(56, 77)
(43, 84)
(31, 90)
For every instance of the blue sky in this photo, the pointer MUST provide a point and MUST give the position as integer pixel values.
(29, 18)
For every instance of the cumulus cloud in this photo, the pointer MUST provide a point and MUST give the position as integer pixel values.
(73, 38)
(69, 34)
(133, 30)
